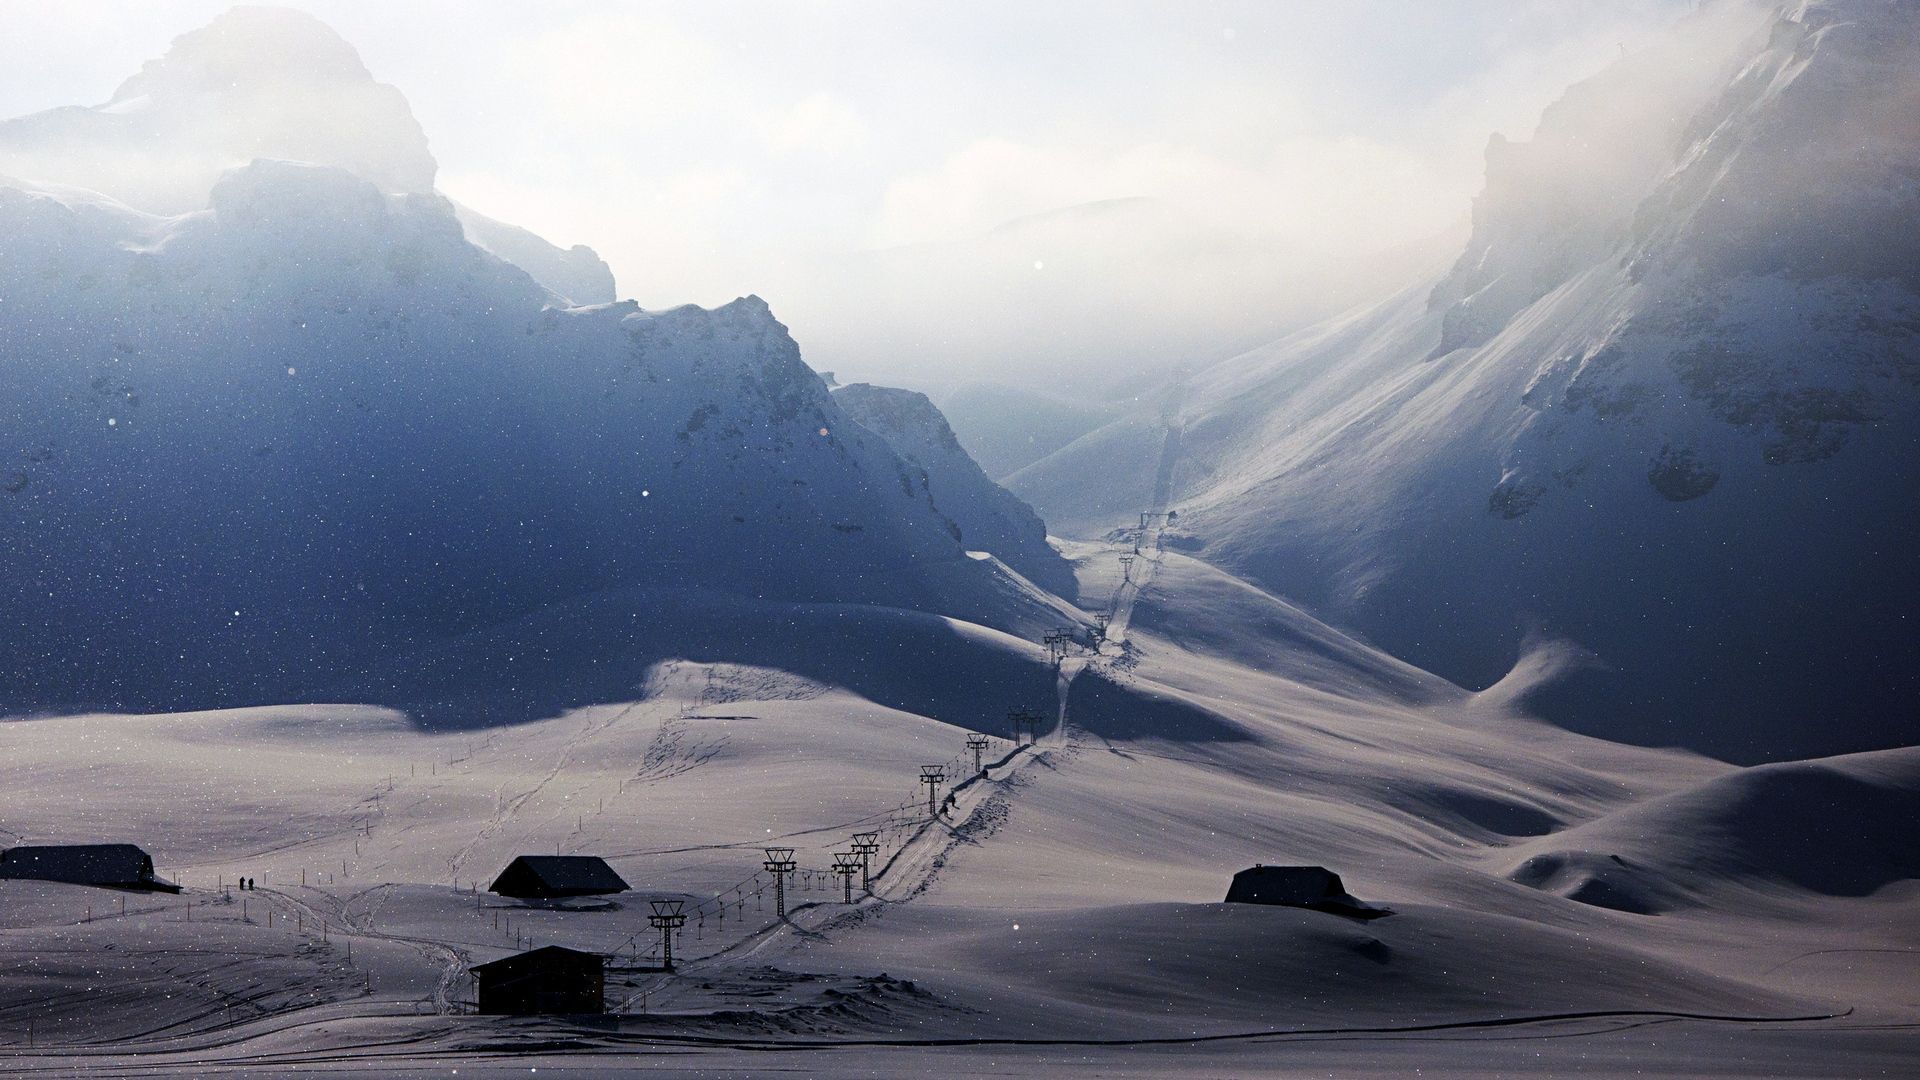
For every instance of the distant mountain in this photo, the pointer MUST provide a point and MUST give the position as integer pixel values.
(1007, 428)
(246, 451)
(261, 83)
(1665, 405)
(986, 516)
(576, 275)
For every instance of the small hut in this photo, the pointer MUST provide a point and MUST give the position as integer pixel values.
(543, 981)
(1314, 887)
(553, 877)
(108, 866)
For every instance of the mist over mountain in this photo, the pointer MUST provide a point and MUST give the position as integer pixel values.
(261, 82)
(1663, 406)
(1081, 300)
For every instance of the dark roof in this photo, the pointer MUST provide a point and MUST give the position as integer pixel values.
(122, 865)
(549, 956)
(1313, 887)
(557, 875)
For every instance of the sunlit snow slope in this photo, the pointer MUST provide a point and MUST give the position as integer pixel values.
(1664, 407)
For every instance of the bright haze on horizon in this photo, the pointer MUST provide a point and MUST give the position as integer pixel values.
(1184, 180)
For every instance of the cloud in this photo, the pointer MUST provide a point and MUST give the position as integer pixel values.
(711, 150)
(821, 123)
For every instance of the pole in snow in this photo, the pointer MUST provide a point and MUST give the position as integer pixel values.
(666, 918)
(977, 743)
(846, 864)
(866, 845)
(933, 776)
(1025, 722)
(779, 863)
(1058, 643)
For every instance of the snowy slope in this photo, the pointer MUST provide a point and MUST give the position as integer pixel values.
(1664, 406)
(989, 517)
(261, 82)
(1073, 894)
(313, 423)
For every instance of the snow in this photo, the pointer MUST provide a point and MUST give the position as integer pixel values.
(348, 557)
(988, 517)
(453, 452)
(1108, 845)
(262, 83)
(1649, 414)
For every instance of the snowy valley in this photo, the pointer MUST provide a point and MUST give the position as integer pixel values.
(359, 544)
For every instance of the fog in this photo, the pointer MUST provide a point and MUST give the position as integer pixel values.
(1069, 196)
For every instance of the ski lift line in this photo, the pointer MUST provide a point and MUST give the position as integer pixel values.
(719, 901)
(901, 818)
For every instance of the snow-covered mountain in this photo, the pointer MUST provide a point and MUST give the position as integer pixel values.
(987, 516)
(1006, 428)
(312, 423)
(261, 82)
(1664, 406)
(281, 428)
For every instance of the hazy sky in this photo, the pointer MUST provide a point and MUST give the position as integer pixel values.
(713, 149)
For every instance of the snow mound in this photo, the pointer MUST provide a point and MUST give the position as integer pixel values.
(1833, 827)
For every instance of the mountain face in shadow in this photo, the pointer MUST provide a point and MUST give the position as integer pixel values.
(282, 420)
(987, 516)
(313, 423)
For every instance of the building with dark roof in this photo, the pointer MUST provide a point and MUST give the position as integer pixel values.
(111, 866)
(551, 877)
(544, 981)
(1314, 887)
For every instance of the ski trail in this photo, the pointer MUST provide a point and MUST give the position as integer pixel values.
(507, 810)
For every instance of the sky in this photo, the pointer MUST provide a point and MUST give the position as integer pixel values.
(709, 150)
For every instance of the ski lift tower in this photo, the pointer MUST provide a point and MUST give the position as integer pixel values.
(666, 918)
(977, 743)
(866, 845)
(780, 864)
(846, 864)
(933, 776)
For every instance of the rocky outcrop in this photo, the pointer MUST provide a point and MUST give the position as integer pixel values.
(986, 516)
